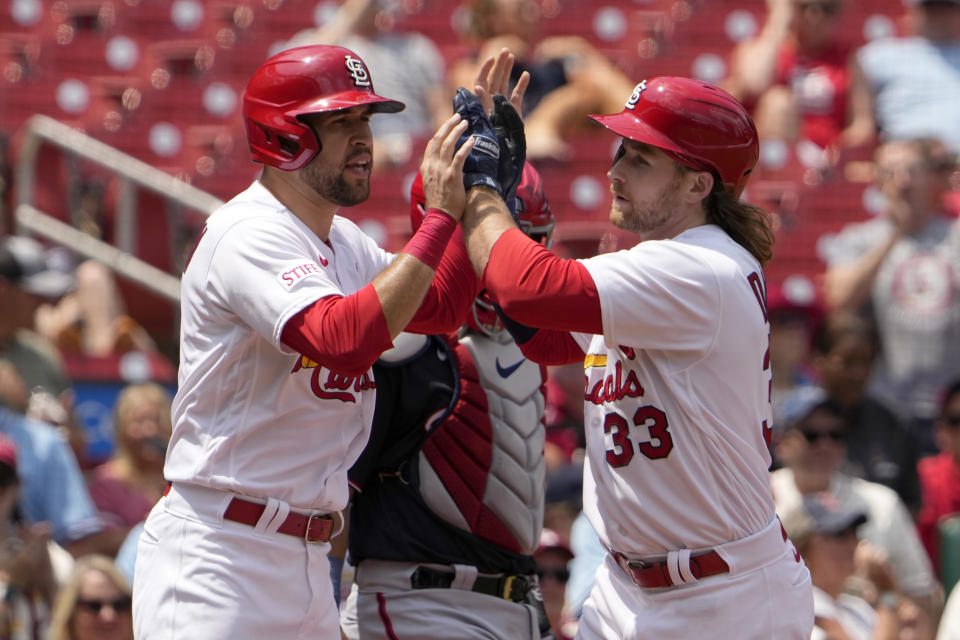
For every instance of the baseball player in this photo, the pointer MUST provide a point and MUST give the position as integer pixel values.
(448, 503)
(674, 338)
(285, 307)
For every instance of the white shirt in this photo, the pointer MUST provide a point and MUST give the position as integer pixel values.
(854, 614)
(689, 389)
(251, 416)
(889, 525)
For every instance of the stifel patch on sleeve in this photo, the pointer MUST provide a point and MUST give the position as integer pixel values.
(294, 273)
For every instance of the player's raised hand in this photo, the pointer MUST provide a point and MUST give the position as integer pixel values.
(493, 78)
(442, 167)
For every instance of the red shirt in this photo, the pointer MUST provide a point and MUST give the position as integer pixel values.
(821, 85)
(940, 491)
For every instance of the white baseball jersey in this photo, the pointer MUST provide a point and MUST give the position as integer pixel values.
(251, 416)
(677, 396)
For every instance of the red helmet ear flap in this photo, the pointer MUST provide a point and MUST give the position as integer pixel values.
(297, 82)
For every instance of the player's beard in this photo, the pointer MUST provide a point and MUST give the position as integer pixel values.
(648, 215)
(334, 187)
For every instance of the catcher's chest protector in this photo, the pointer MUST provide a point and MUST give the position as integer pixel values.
(482, 468)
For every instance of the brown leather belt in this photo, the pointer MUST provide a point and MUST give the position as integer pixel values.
(656, 575)
(314, 528)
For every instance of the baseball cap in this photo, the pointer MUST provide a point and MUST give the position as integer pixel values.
(550, 540)
(801, 402)
(565, 485)
(25, 263)
(821, 513)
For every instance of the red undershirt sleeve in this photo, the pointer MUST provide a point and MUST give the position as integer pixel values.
(552, 347)
(345, 334)
(451, 293)
(538, 289)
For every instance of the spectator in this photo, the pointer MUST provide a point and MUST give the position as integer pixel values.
(563, 498)
(27, 279)
(92, 320)
(803, 80)
(588, 555)
(940, 474)
(27, 580)
(94, 605)
(879, 447)
(794, 315)
(905, 267)
(127, 486)
(53, 488)
(812, 450)
(552, 557)
(915, 80)
(825, 534)
(569, 77)
(407, 65)
(126, 559)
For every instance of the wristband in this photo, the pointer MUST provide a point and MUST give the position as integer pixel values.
(430, 240)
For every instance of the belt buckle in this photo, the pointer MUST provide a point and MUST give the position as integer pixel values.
(306, 531)
(633, 566)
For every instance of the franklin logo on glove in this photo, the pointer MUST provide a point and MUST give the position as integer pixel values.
(487, 146)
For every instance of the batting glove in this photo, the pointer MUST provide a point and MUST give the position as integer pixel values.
(508, 125)
(482, 167)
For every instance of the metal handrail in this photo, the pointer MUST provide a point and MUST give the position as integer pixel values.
(133, 173)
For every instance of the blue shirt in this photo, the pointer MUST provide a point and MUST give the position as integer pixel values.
(916, 87)
(52, 488)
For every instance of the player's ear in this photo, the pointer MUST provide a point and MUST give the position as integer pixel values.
(699, 184)
(702, 184)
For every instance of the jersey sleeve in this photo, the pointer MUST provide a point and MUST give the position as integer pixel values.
(451, 293)
(549, 347)
(536, 288)
(658, 295)
(265, 275)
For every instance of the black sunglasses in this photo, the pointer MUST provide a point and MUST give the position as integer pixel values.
(846, 533)
(560, 575)
(120, 605)
(813, 436)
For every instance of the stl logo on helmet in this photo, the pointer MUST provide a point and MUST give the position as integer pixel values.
(635, 96)
(357, 71)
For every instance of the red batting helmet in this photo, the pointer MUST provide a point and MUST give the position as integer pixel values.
(297, 82)
(535, 219)
(701, 126)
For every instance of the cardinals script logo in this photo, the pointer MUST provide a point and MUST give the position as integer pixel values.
(357, 71)
(333, 386)
(635, 96)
